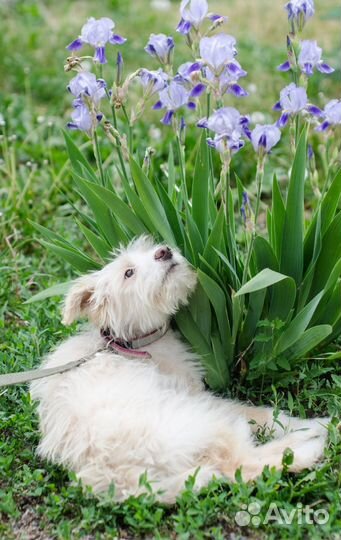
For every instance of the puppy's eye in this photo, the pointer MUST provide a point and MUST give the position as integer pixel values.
(128, 273)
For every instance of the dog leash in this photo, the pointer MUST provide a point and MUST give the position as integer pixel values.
(118, 346)
(21, 377)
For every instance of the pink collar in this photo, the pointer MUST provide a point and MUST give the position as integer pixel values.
(129, 348)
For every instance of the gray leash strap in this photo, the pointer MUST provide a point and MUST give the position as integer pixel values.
(26, 376)
(21, 377)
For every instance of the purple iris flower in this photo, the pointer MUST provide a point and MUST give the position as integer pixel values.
(217, 51)
(293, 100)
(152, 81)
(160, 46)
(265, 137)
(173, 97)
(85, 84)
(331, 115)
(227, 82)
(97, 33)
(193, 13)
(188, 76)
(223, 144)
(299, 11)
(225, 121)
(310, 57)
(229, 128)
(187, 72)
(83, 118)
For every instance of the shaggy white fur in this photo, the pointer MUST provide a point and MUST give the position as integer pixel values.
(113, 418)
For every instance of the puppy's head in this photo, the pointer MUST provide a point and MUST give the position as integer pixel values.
(134, 294)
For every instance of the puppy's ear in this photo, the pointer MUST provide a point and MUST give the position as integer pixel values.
(78, 299)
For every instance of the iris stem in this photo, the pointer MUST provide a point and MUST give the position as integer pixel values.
(181, 166)
(225, 188)
(297, 130)
(295, 77)
(210, 152)
(119, 149)
(130, 132)
(225, 180)
(325, 168)
(98, 157)
(208, 104)
(259, 183)
(292, 133)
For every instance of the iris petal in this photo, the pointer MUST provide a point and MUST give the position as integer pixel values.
(198, 90)
(116, 39)
(284, 67)
(308, 69)
(75, 45)
(214, 17)
(184, 27)
(237, 90)
(283, 120)
(277, 106)
(202, 123)
(262, 141)
(314, 110)
(100, 55)
(191, 105)
(325, 68)
(325, 125)
(211, 142)
(167, 119)
(194, 67)
(158, 105)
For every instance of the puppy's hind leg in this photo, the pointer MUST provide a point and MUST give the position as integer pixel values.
(258, 417)
(307, 447)
(277, 421)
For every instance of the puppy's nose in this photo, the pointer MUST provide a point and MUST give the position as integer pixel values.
(163, 254)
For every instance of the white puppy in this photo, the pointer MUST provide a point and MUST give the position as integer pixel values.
(116, 416)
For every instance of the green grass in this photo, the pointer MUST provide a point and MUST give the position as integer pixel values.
(35, 497)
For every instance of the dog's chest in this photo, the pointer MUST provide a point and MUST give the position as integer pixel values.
(109, 374)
